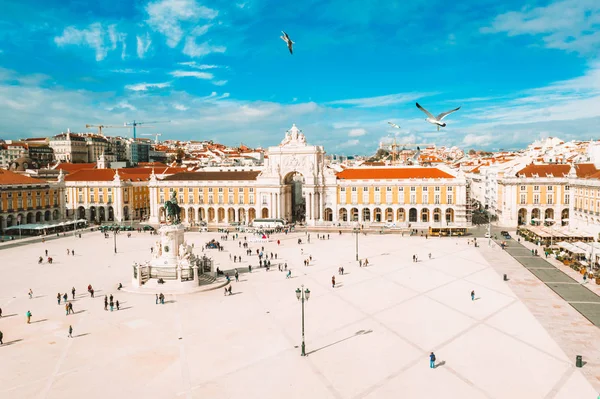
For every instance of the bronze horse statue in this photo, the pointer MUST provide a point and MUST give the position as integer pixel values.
(173, 210)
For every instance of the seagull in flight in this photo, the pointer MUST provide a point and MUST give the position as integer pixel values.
(394, 125)
(289, 41)
(437, 120)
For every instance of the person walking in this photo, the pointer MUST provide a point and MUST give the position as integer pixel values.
(332, 281)
(0, 312)
(105, 302)
(110, 298)
(58, 297)
(229, 290)
(1, 336)
(237, 276)
(30, 294)
(67, 309)
(430, 255)
(70, 331)
(68, 252)
(156, 299)
(46, 252)
(289, 274)
(473, 295)
(71, 307)
(73, 292)
(112, 305)
(117, 304)
(92, 292)
(65, 297)
(28, 314)
(73, 252)
(162, 298)
(432, 360)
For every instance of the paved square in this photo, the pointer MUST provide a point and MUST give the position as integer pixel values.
(369, 337)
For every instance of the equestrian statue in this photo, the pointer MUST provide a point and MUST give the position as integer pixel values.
(173, 210)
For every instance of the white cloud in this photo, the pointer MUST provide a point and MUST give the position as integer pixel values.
(219, 82)
(381, 101)
(350, 143)
(195, 65)
(357, 132)
(195, 50)
(93, 36)
(143, 45)
(169, 16)
(130, 70)
(180, 107)
(571, 25)
(146, 86)
(477, 140)
(122, 105)
(116, 38)
(192, 74)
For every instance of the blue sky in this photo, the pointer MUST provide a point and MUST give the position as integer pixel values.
(218, 70)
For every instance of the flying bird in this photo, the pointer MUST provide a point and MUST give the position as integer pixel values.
(288, 41)
(437, 120)
(394, 125)
(415, 158)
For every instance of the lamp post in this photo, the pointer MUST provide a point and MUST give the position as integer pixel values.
(115, 236)
(356, 231)
(490, 234)
(303, 294)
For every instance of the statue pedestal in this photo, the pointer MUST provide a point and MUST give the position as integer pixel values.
(171, 240)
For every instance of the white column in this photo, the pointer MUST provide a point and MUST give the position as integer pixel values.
(271, 213)
(308, 206)
(277, 205)
(321, 210)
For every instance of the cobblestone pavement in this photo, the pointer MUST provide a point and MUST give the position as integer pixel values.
(367, 337)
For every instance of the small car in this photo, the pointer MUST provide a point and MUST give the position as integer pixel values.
(487, 235)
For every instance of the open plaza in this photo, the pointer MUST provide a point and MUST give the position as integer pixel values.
(369, 336)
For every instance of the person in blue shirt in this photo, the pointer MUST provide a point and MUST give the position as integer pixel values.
(432, 360)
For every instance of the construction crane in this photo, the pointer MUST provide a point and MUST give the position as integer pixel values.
(100, 127)
(153, 134)
(136, 124)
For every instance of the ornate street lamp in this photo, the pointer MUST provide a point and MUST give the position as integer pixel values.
(356, 231)
(303, 294)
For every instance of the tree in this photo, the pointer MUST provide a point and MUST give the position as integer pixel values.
(472, 152)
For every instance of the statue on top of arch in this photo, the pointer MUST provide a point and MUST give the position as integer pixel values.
(294, 136)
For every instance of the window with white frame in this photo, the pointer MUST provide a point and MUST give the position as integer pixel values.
(523, 199)
(365, 198)
(388, 195)
(251, 198)
(220, 198)
(241, 199)
(536, 188)
(264, 199)
(523, 188)
(567, 199)
(377, 195)
(536, 199)
(211, 198)
(550, 199)
(550, 188)
(450, 198)
(436, 199)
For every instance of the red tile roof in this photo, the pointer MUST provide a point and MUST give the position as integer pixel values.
(91, 175)
(393, 173)
(68, 167)
(557, 170)
(11, 178)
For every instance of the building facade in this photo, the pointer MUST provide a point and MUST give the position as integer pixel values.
(110, 195)
(69, 147)
(296, 184)
(539, 194)
(25, 200)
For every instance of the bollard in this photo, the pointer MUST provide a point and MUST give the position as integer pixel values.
(579, 361)
(505, 277)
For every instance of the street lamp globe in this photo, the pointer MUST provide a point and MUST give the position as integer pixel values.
(306, 294)
(298, 292)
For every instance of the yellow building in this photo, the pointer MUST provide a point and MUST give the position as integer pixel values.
(539, 194)
(117, 195)
(296, 184)
(25, 200)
